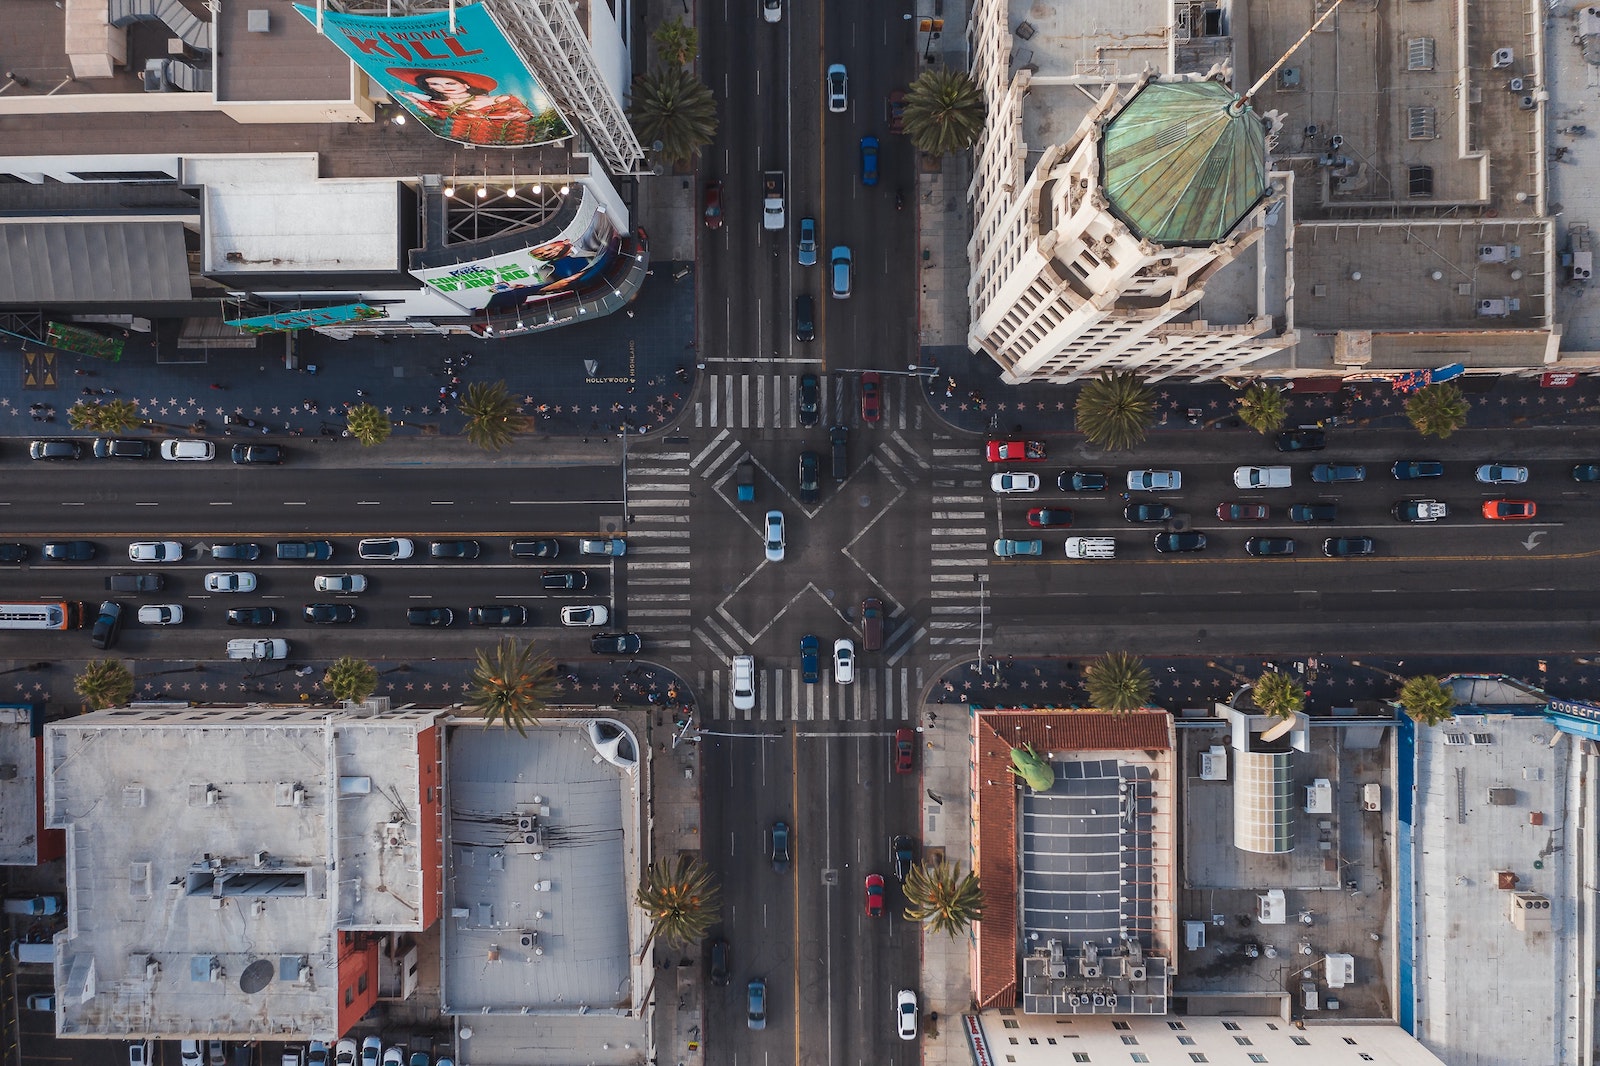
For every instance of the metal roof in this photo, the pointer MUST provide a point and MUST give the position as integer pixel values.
(1184, 162)
(93, 262)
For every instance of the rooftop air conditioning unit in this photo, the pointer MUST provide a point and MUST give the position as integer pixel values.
(1136, 973)
(1528, 103)
(394, 834)
(1514, 85)
(528, 938)
(1503, 57)
(213, 794)
(1058, 973)
(1091, 971)
(525, 824)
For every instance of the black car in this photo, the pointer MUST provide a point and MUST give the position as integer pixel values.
(1338, 473)
(15, 553)
(327, 614)
(1269, 546)
(810, 467)
(839, 437)
(719, 962)
(615, 644)
(430, 616)
(564, 580)
(512, 615)
(809, 399)
(1341, 546)
(114, 448)
(1180, 542)
(69, 551)
(1314, 512)
(780, 847)
(250, 454)
(1304, 439)
(805, 322)
(55, 449)
(453, 549)
(1586, 472)
(1415, 469)
(535, 549)
(1147, 512)
(901, 856)
(252, 616)
(1081, 481)
(236, 551)
(107, 625)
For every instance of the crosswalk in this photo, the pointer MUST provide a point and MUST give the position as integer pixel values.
(658, 550)
(771, 401)
(879, 694)
(960, 551)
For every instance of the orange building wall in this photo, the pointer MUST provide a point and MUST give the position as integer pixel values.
(358, 978)
(430, 788)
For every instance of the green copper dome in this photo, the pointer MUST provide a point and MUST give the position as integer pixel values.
(1184, 162)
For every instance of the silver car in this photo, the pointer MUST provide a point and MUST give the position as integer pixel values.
(774, 537)
(838, 89)
(743, 682)
(340, 583)
(155, 551)
(230, 581)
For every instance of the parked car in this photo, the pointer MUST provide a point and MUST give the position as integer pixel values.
(1049, 517)
(1155, 480)
(340, 583)
(216, 1053)
(1269, 546)
(429, 616)
(371, 1051)
(905, 746)
(592, 614)
(602, 546)
(901, 856)
(742, 682)
(838, 88)
(1338, 473)
(809, 399)
(1416, 469)
(69, 551)
(317, 1054)
(139, 1053)
(155, 551)
(1180, 542)
(756, 995)
(121, 448)
(189, 1053)
(1509, 510)
(55, 449)
(1345, 546)
(1262, 477)
(616, 644)
(188, 451)
(385, 549)
(1081, 481)
(1500, 474)
(453, 549)
(1014, 451)
(107, 625)
(1314, 512)
(328, 614)
(806, 253)
(844, 661)
(1303, 439)
(871, 400)
(905, 1014)
(810, 659)
(251, 616)
(161, 614)
(230, 581)
(719, 962)
(874, 895)
(41, 1001)
(256, 454)
(1014, 482)
(345, 1053)
(497, 615)
(839, 444)
(773, 537)
(780, 847)
(244, 552)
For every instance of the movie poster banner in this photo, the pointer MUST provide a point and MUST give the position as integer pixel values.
(469, 86)
(500, 284)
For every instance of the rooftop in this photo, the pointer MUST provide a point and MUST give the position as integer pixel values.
(19, 786)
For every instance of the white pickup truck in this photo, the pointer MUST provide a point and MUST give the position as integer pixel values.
(1262, 477)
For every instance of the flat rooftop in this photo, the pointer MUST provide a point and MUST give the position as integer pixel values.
(19, 806)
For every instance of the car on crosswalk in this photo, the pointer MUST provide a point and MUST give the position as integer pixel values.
(810, 659)
(742, 683)
(844, 661)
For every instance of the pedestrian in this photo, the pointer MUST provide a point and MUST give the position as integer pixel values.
(218, 387)
(361, 392)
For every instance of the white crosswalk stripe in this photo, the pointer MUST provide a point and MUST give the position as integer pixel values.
(960, 549)
(770, 401)
(657, 569)
(879, 694)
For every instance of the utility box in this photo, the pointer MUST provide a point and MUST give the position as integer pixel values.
(1372, 797)
(1319, 796)
(1340, 970)
(1194, 935)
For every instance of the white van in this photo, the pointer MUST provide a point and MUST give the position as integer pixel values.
(246, 648)
(27, 953)
(1091, 548)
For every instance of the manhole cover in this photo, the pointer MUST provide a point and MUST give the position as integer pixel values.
(830, 877)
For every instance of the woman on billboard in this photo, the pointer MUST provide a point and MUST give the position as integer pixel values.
(463, 106)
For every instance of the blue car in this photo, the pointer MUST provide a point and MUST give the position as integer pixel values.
(808, 659)
(869, 160)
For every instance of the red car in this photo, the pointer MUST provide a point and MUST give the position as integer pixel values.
(713, 204)
(871, 409)
(904, 750)
(1509, 510)
(1242, 512)
(874, 895)
(1049, 516)
(1016, 451)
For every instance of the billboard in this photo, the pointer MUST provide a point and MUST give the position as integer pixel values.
(469, 86)
(311, 318)
(580, 253)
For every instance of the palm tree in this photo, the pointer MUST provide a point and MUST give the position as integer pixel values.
(368, 425)
(674, 107)
(1438, 410)
(1118, 682)
(681, 898)
(350, 679)
(1263, 408)
(1277, 694)
(944, 111)
(511, 684)
(492, 418)
(1115, 410)
(1426, 700)
(104, 683)
(113, 416)
(942, 897)
(677, 43)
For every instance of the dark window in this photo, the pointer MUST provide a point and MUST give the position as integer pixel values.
(1419, 182)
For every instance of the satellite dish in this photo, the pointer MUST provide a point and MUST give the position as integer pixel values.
(256, 976)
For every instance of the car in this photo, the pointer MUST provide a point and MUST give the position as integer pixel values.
(809, 470)
(589, 614)
(602, 546)
(244, 551)
(256, 454)
(1509, 510)
(1586, 472)
(869, 160)
(55, 449)
(1500, 474)
(136, 583)
(188, 451)
(719, 962)
(121, 448)
(809, 399)
(1302, 439)
(345, 1053)
(805, 317)
(1048, 517)
(1269, 546)
(429, 616)
(839, 444)
(780, 847)
(161, 614)
(1147, 512)
(1419, 510)
(1321, 511)
(1155, 480)
(69, 551)
(1014, 482)
(15, 553)
(616, 644)
(139, 1053)
(189, 1053)
(564, 580)
(216, 1053)
(41, 1001)
(773, 536)
(510, 614)
(844, 661)
(1014, 451)
(771, 10)
(756, 1004)
(838, 83)
(155, 551)
(905, 747)
(315, 550)
(742, 682)
(806, 251)
(1343, 546)
(394, 1055)
(1180, 542)
(1010, 549)
(1262, 477)
(371, 1051)
(840, 263)
(1081, 481)
(810, 659)
(420, 1058)
(348, 583)
(901, 856)
(871, 624)
(1337, 473)
(230, 581)
(317, 1054)
(107, 625)
(874, 893)
(453, 549)
(713, 204)
(328, 614)
(535, 549)
(384, 549)
(905, 1014)
(1242, 512)
(1416, 469)
(871, 396)
(251, 616)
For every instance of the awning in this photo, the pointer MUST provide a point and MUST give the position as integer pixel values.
(93, 262)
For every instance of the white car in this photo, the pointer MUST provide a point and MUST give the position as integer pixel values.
(230, 581)
(189, 1050)
(161, 614)
(772, 10)
(395, 1056)
(905, 1014)
(593, 614)
(844, 661)
(340, 583)
(193, 451)
(838, 89)
(155, 551)
(139, 1053)
(371, 1051)
(345, 1052)
(744, 682)
(1014, 482)
(1500, 474)
(1155, 480)
(774, 536)
(386, 548)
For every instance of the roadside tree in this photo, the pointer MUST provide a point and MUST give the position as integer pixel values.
(368, 425)
(1118, 682)
(1427, 700)
(492, 417)
(1277, 694)
(1263, 408)
(104, 683)
(943, 898)
(350, 679)
(1438, 410)
(944, 111)
(674, 107)
(1115, 410)
(682, 899)
(511, 683)
(677, 43)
